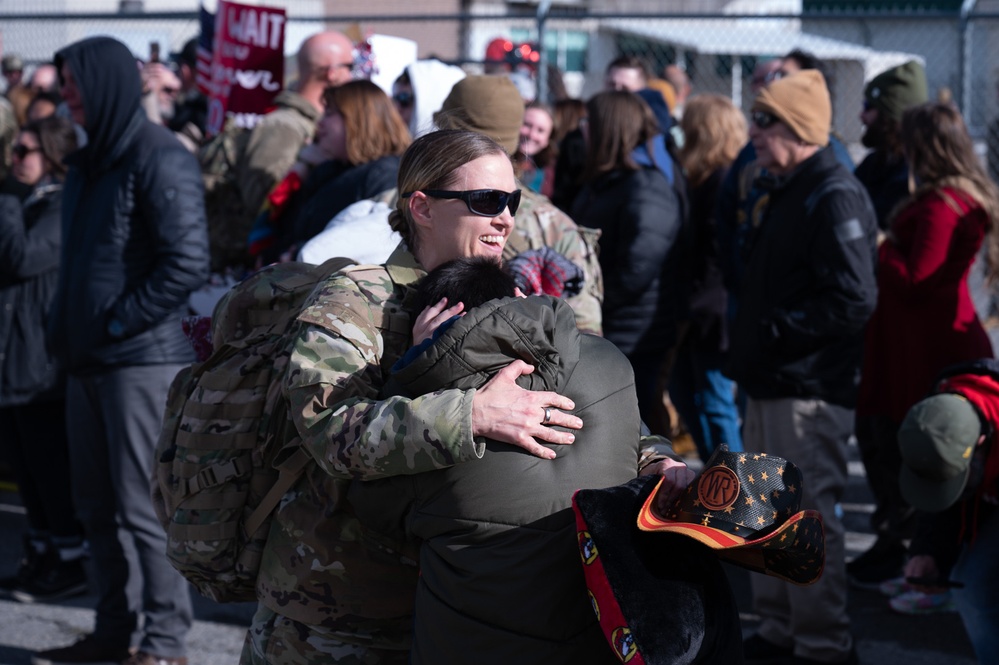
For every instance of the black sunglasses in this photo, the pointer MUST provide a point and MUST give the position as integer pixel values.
(763, 120)
(482, 202)
(403, 99)
(21, 151)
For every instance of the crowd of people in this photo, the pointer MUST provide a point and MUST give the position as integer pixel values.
(561, 273)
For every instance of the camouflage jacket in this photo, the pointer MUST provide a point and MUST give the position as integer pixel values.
(539, 223)
(272, 147)
(320, 567)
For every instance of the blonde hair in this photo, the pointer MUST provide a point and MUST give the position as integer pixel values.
(430, 163)
(714, 131)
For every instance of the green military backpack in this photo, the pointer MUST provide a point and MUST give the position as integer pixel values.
(229, 221)
(227, 451)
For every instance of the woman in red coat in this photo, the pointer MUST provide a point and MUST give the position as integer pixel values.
(925, 319)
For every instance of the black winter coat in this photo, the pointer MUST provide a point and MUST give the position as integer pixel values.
(29, 267)
(134, 229)
(640, 221)
(500, 576)
(809, 288)
(357, 183)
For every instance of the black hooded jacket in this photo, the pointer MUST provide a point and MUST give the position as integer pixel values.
(135, 240)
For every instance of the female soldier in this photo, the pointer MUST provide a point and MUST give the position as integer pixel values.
(329, 590)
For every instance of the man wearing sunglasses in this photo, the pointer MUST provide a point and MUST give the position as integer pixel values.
(807, 293)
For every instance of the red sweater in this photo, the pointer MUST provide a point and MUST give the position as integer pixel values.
(925, 319)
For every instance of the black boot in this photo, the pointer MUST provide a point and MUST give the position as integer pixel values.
(59, 574)
(34, 552)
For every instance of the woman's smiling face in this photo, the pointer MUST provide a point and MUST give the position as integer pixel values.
(449, 230)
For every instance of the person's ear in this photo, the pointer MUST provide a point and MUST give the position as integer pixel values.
(419, 208)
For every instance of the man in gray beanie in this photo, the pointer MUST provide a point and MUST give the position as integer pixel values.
(807, 293)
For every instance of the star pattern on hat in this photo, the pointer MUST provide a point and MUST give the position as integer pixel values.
(751, 479)
(742, 459)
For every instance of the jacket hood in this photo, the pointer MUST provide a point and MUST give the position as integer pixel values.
(432, 81)
(108, 79)
(540, 330)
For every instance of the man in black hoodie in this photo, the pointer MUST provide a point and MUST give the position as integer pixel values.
(135, 245)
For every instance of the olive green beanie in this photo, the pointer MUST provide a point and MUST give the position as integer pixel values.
(487, 104)
(893, 91)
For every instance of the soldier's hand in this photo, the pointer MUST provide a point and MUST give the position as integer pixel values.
(504, 411)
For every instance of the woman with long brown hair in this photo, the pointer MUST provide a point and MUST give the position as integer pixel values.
(925, 319)
(359, 140)
(637, 211)
(715, 131)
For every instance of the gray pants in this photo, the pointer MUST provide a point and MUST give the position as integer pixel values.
(813, 435)
(114, 420)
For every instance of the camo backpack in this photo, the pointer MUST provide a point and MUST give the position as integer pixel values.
(227, 452)
(229, 221)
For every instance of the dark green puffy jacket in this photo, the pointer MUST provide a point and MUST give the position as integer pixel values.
(501, 580)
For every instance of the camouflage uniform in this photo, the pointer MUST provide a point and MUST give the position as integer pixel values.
(539, 223)
(272, 147)
(335, 582)
(8, 132)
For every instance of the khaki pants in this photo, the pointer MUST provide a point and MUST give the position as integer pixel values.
(813, 435)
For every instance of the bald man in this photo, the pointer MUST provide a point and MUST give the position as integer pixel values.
(324, 59)
(44, 79)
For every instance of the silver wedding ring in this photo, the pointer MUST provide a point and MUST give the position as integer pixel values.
(548, 415)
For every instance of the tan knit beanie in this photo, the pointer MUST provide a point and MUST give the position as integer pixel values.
(488, 104)
(800, 101)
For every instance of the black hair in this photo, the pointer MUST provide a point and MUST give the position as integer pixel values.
(806, 60)
(472, 281)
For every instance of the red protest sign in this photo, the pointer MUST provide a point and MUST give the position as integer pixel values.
(247, 69)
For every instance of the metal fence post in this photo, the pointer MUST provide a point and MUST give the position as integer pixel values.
(542, 82)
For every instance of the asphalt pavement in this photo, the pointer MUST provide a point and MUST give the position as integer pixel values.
(883, 637)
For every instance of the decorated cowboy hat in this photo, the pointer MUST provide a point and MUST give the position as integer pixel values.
(660, 598)
(744, 506)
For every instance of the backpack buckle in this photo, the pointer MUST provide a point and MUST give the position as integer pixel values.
(217, 474)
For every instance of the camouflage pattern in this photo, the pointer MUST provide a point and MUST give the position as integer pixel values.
(229, 220)
(539, 223)
(8, 132)
(321, 568)
(224, 425)
(276, 640)
(272, 147)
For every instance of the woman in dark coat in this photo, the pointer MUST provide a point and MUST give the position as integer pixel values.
(32, 415)
(359, 140)
(637, 212)
(925, 319)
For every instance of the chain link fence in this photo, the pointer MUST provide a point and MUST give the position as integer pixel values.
(718, 51)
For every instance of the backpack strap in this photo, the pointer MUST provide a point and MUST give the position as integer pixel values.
(290, 469)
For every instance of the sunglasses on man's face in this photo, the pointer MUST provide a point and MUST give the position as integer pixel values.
(482, 202)
(21, 151)
(403, 99)
(763, 120)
